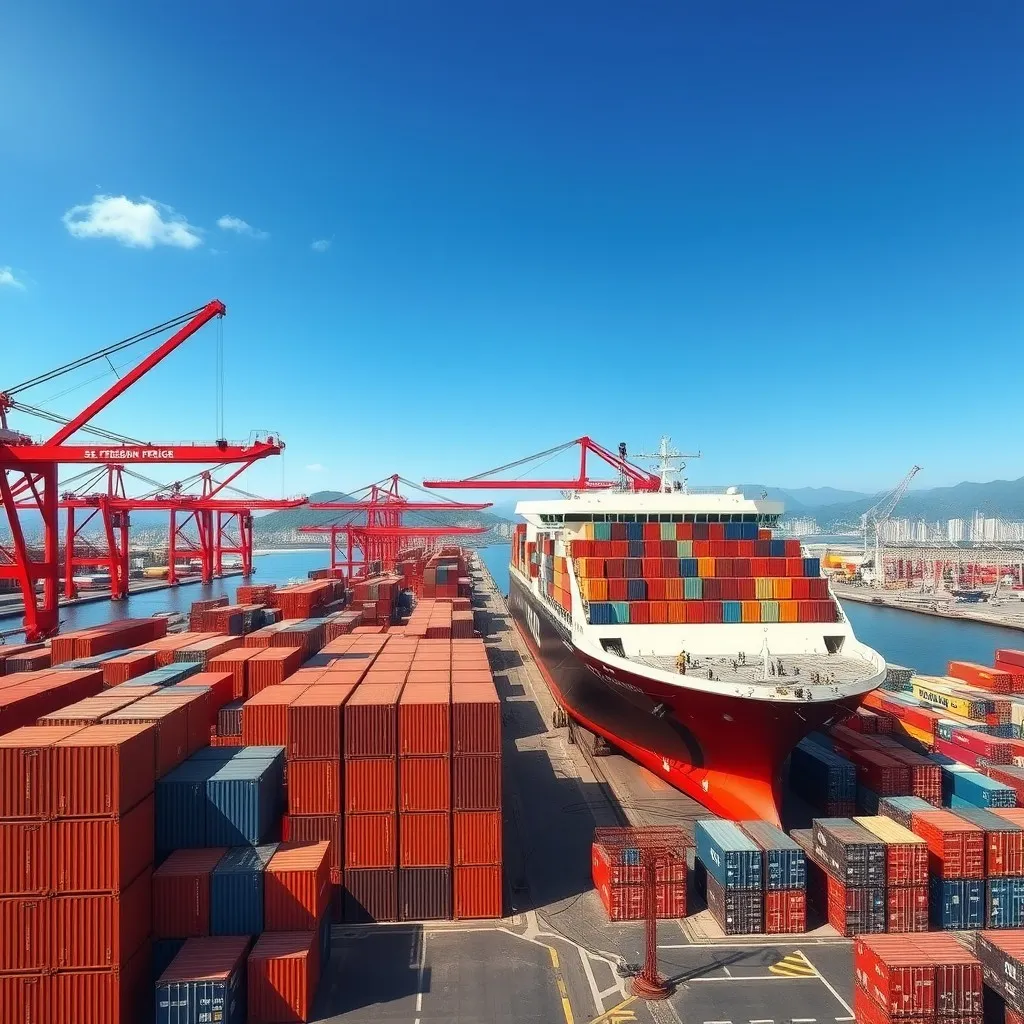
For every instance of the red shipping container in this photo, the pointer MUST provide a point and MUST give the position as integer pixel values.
(127, 666)
(371, 720)
(370, 841)
(628, 902)
(424, 840)
(264, 716)
(102, 770)
(34, 694)
(907, 908)
(880, 773)
(982, 676)
(236, 662)
(271, 666)
(283, 972)
(989, 747)
(785, 911)
(867, 1011)
(25, 997)
(101, 854)
(315, 828)
(113, 995)
(956, 847)
(371, 785)
(26, 772)
(476, 719)
(477, 837)
(476, 782)
(205, 650)
(297, 886)
(170, 729)
(477, 892)
(314, 787)
(100, 929)
(181, 893)
(606, 869)
(424, 783)
(314, 722)
(25, 854)
(25, 924)
(424, 719)
(895, 974)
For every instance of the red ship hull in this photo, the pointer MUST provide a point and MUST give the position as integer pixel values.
(726, 752)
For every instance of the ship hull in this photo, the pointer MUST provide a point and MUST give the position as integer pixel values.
(726, 752)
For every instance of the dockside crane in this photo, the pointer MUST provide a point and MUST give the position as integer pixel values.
(383, 533)
(29, 466)
(872, 521)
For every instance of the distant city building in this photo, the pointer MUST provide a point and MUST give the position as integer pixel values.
(979, 529)
(800, 527)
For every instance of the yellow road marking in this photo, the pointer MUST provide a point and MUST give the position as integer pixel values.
(563, 992)
(618, 1014)
(795, 965)
(554, 957)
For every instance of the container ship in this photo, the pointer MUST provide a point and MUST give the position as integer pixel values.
(676, 625)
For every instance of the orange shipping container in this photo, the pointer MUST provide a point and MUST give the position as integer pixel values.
(102, 770)
(314, 722)
(315, 828)
(477, 892)
(424, 783)
(371, 721)
(170, 729)
(113, 995)
(25, 855)
(476, 782)
(26, 927)
(272, 666)
(282, 975)
(476, 719)
(25, 997)
(477, 837)
(424, 719)
(370, 785)
(296, 887)
(127, 666)
(370, 841)
(101, 854)
(314, 787)
(100, 930)
(981, 676)
(264, 716)
(26, 770)
(424, 840)
(181, 893)
(236, 662)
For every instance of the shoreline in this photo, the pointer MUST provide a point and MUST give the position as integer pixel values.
(881, 600)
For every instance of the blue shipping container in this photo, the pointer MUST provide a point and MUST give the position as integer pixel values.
(821, 776)
(244, 800)
(732, 858)
(867, 800)
(956, 904)
(205, 982)
(1004, 903)
(785, 863)
(181, 807)
(972, 789)
(236, 891)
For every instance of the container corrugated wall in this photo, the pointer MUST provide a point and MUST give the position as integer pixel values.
(103, 770)
(236, 891)
(424, 783)
(731, 857)
(26, 851)
(424, 840)
(205, 978)
(476, 782)
(370, 785)
(282, 974)
(314, 786)
(424, 894)
(243, 802)
(371, 895)
(477, 892)
(296, 886)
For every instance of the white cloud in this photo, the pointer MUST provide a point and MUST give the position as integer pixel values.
(315, 467)
(241, 227)
(138, 225)
(321, 244)
(7, 278)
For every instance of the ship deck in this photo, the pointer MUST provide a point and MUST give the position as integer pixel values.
(797, 669)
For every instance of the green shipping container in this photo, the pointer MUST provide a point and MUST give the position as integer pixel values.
(620, 609)
(769, 610)
(684, 548)
(693, 588)
(668, 531)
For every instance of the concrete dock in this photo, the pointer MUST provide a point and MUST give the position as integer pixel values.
(555, 957)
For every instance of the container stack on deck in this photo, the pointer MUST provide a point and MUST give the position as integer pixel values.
(138, 815)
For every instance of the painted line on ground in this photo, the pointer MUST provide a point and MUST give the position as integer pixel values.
(828, 984)
(759, 977)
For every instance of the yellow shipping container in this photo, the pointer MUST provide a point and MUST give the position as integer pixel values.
(782, 588)
(595, 590)
(937, 694)
(750, 611)
(763, 589)
(706, 567)
(913, 732)
(887, 830)
(788, 611)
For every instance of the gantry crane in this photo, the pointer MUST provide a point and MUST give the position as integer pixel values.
(29, 467)
(383, 534)
(874, 518)
(629, 476)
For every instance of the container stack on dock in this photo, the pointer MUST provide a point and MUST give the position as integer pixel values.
(956, 854)
(784, 870)
(729, 875)
(823, 779)
(906, 874)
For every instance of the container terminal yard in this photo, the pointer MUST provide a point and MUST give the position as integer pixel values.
(367, 797)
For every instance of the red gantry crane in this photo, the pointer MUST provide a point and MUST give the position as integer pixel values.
(628, 475)
(29, 467)
(384, 534)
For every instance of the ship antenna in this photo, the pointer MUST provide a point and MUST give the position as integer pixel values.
(666, 456)
(766, 658)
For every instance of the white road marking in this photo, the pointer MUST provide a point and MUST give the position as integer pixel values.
(768, 1021)
(760, 942)
(828, 984)
(758, 977)
(729, 975)
(801, 1020)
(419, 974)
(718, 1022)
(591, 980)
(839, 1020)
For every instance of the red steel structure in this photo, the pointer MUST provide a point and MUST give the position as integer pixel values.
(28, 467)
(630, 475)
(647, 844)
(383, 534)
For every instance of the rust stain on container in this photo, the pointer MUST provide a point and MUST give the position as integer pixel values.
(424, 719)
(476, 782)
(314, 787)
(370, 841)
(26, 770)
(102, 770)
(296, 886)
(24, 858)
(477, 837)
(370, 785)
(102, 854)
(100, 930)
(424, 783)
(424, 840)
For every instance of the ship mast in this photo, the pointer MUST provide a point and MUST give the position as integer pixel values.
(666, 456)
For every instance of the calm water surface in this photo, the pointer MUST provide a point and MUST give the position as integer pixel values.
(921, 642)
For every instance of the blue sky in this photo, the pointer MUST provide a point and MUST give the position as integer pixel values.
(787, 234)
